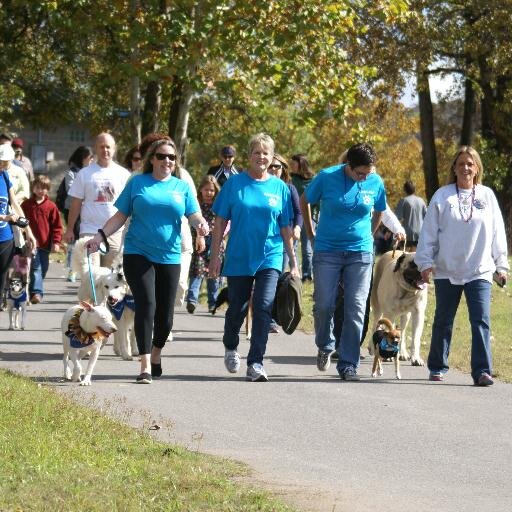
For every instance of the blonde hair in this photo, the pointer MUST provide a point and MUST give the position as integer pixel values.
(261, 139)
(452, 178)
(209, 178)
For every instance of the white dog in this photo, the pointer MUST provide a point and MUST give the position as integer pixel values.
(84, 328)
(119, 301)
(17, 299)
(80, 265)
(399, 291)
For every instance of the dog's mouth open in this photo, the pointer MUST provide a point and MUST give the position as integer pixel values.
(419, 284)
(104, 333)
(112, 301)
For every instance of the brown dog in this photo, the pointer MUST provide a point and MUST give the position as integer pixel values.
(386, 343)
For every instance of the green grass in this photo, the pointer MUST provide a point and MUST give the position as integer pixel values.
(460, 350)
(57, 455)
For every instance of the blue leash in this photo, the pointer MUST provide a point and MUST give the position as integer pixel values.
(93, 288)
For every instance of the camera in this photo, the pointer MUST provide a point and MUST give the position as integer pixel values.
(22, 222)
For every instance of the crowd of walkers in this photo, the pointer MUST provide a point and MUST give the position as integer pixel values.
(245, 227)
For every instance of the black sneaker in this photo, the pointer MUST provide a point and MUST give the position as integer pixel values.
(191, 307)
(323, 360)
(156, 370)
(349, 374)
(144, 378)
(484, 379)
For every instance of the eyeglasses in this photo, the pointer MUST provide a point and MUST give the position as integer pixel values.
(275, 166)
(136, 158)
(163, 156)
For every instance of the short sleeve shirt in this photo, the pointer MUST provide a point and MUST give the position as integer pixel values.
(257, 211)
(156, 208)
(345, 209)
(5, 185)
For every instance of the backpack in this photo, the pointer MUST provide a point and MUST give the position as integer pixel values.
(60, 198)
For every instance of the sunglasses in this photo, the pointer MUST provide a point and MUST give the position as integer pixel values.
(275, 166)
(163, 156)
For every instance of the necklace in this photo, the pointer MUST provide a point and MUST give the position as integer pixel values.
(465, 202)
(356, 198)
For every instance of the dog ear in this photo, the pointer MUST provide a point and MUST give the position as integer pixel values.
(399, 263)
(86, 305)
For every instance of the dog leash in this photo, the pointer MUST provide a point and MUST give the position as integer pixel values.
(395, 246)
(93, 288)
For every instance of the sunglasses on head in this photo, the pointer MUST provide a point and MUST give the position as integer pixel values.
(275, 166)
(163, 156)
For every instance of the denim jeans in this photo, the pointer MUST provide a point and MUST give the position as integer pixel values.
(306, 251)
(239, 293)
(212, 288)
(478, 299)
(38, 270)
(354, 270)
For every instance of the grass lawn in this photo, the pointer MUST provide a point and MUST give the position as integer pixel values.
(501, 325)
(60, 456)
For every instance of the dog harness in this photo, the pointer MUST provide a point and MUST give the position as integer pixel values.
(78, 338)
(386, 349)
(18, 301)
(118, 308)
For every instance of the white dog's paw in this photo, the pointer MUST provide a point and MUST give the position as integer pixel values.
(11, 328)
(374, 374)
(127, 358)
(76, 377)
(417, 361)
(381, 371)
(404, 356)
(86, 381)
(398, 376)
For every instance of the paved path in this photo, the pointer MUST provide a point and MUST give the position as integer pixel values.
(377, 445)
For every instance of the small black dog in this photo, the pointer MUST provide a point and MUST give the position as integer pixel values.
(222, 298)
(386, 342)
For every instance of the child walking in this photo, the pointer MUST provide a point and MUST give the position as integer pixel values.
(207, 192)
(46, 225)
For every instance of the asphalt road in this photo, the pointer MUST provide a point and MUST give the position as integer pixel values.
(326, 445)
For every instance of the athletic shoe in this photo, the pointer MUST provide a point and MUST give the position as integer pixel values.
(323, 360)
(191, 307)
(144, 378)
(71, 277)
(436, 377)
(36, 298)
(349, 374)
(256, 373)
(484, 380)
(232, 361)
(156, 370)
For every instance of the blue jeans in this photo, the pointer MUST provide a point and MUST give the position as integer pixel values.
(354, 269)
(212, 288)
(306, 251)
(239, 293)
(38, 270)
(478, 299)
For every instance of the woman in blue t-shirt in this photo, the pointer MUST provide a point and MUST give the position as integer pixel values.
(352, 199)
(259, 208)
(156, 201)
(8, 215)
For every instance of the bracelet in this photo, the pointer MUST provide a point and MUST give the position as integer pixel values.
(102, 233)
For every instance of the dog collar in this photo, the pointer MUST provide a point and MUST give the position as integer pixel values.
(75, 332)
(117, 309)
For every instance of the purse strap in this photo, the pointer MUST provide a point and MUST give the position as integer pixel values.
(7, 188)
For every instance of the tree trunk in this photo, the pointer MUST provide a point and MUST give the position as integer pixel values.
(135, 120)
(179, 112)
(468, 119)
(152, 102)
(428, 146)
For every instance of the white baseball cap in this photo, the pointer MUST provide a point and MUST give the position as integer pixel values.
(6, 152)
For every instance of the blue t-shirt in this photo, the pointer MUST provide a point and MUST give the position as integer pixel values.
(156, 208)
(257, 211)
(345, 209)
(5, 228)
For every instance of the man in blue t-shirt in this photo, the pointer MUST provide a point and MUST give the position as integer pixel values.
(352, 199)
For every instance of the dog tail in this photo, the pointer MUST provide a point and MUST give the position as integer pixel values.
(79, 256)
(387, 323)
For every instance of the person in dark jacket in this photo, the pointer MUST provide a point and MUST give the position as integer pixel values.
(226, 168)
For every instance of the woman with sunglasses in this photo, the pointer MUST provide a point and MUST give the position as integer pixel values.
(155, 201)
(133, 159)
(352, 199)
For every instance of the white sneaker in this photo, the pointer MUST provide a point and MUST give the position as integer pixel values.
(232, 361)
(256, 373)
